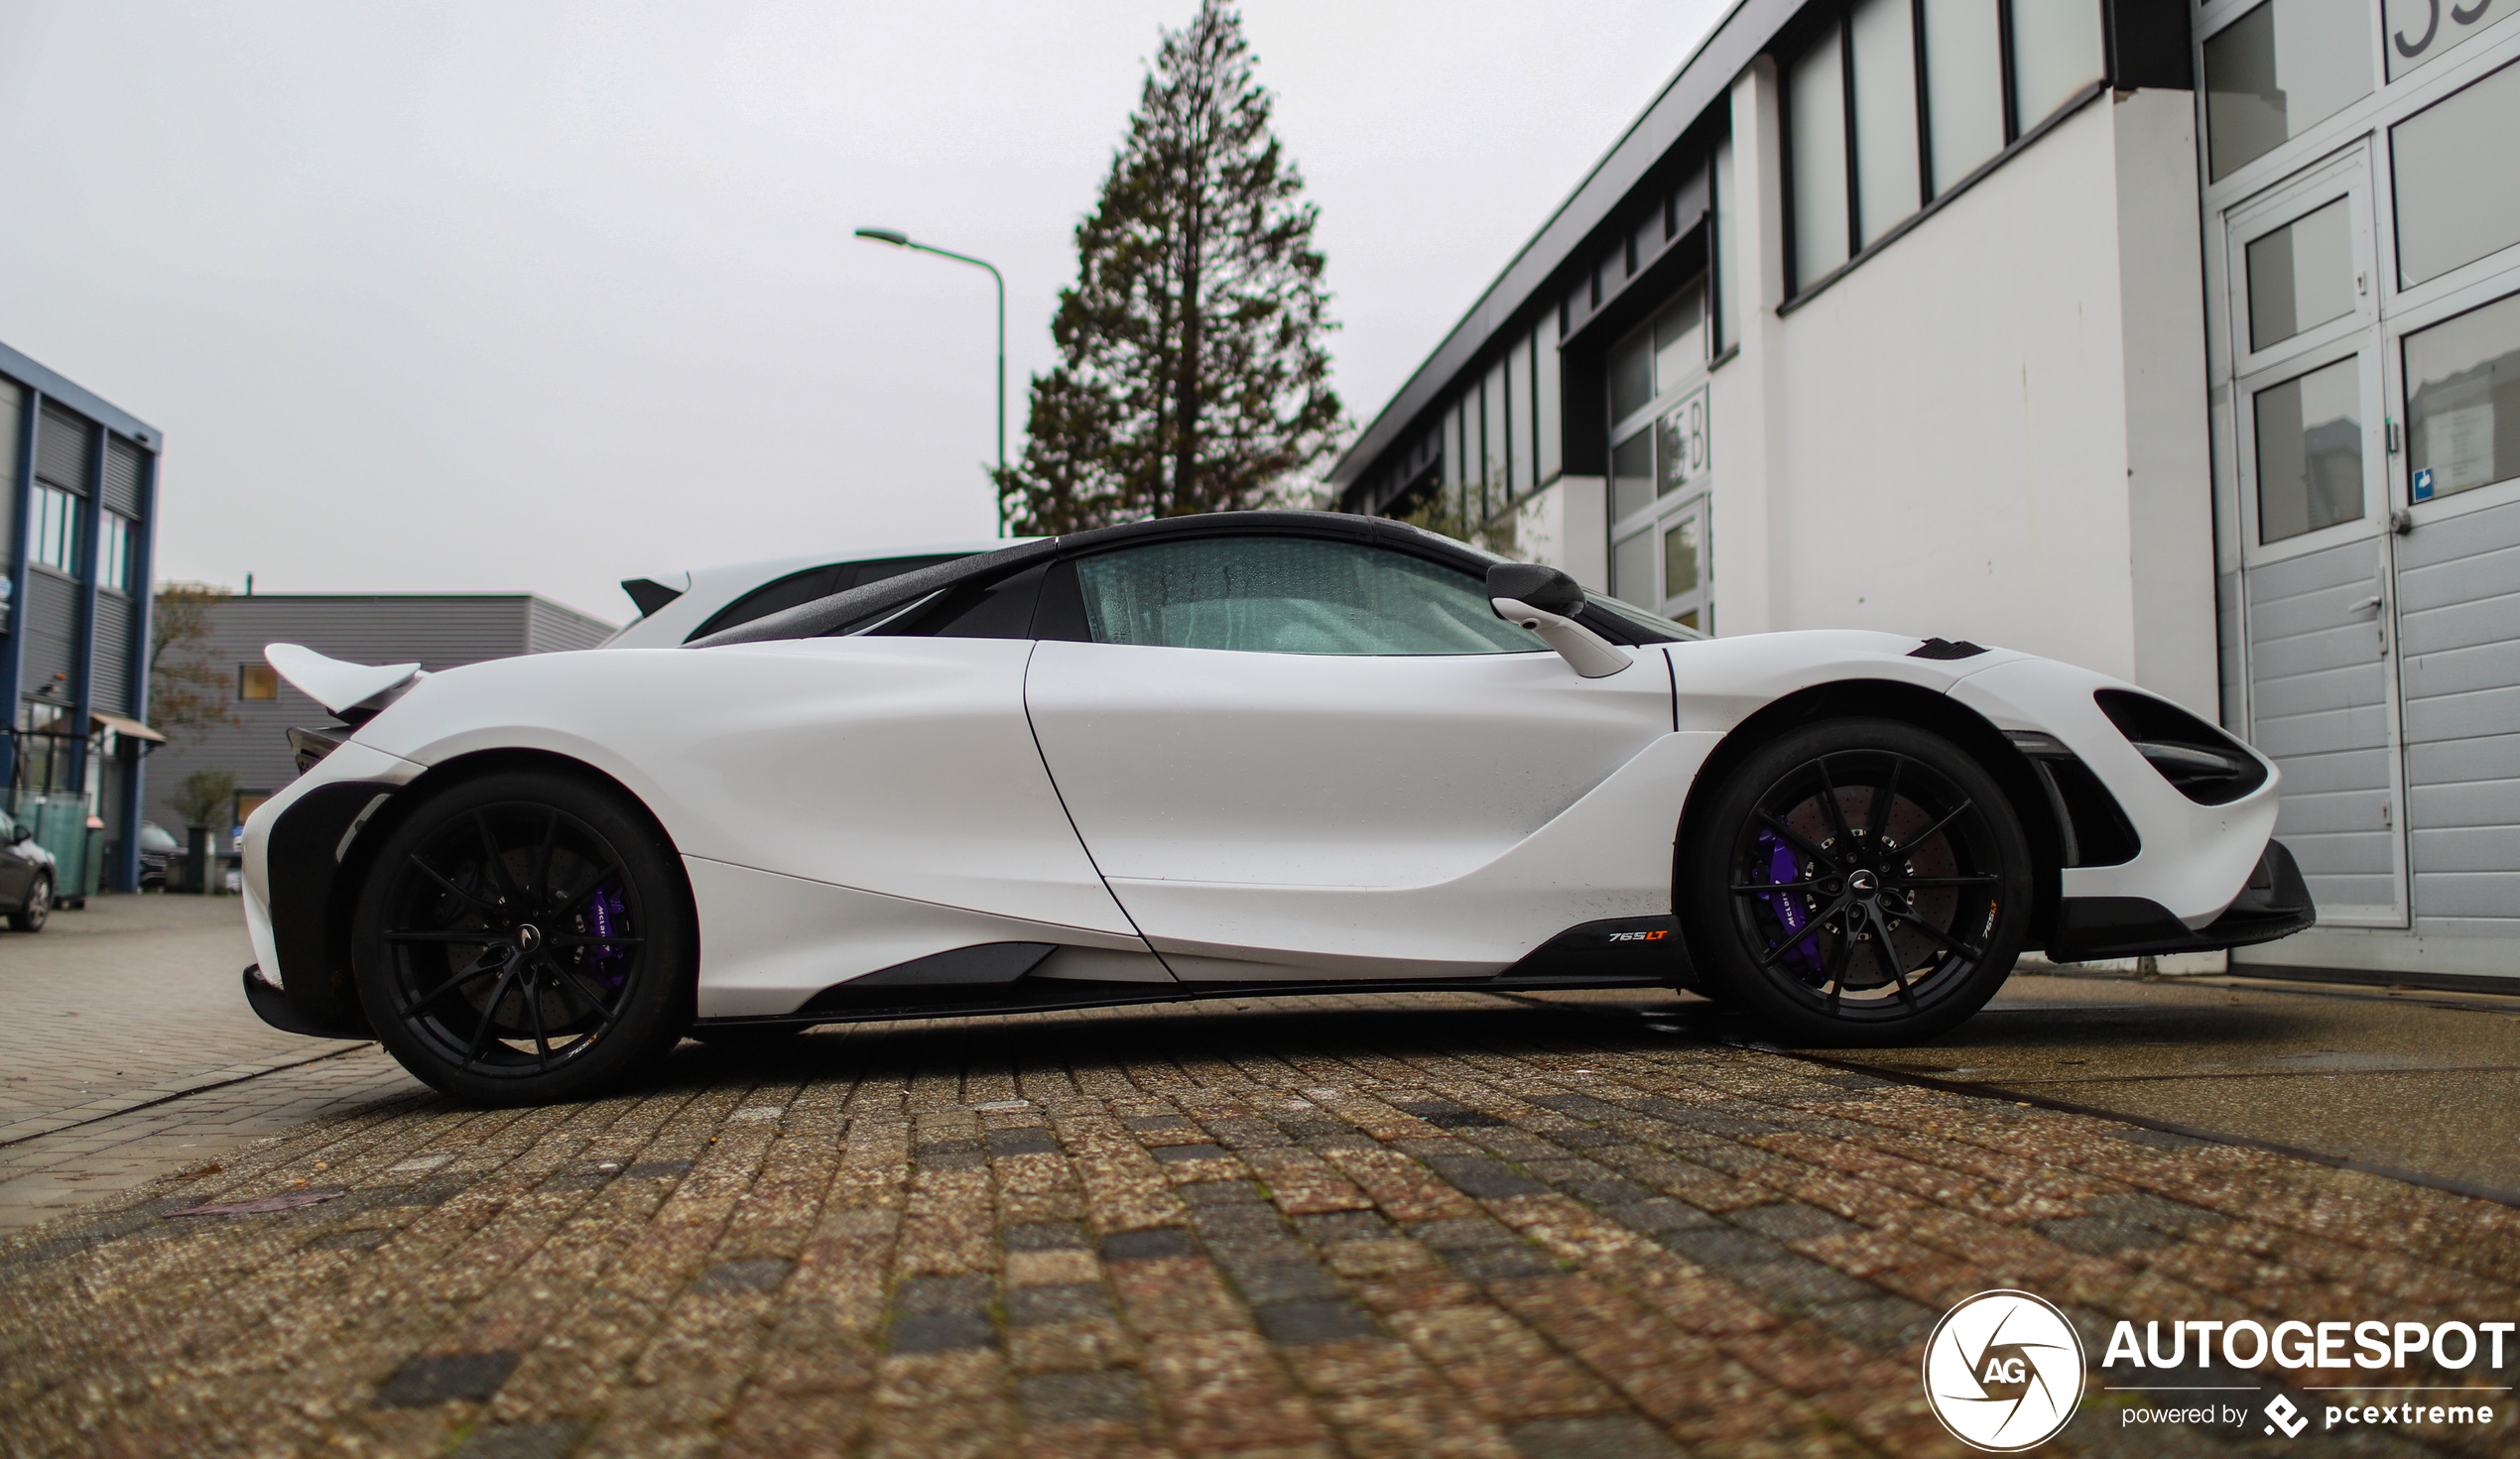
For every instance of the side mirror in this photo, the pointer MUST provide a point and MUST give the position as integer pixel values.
(1546, 600)
(20, 835)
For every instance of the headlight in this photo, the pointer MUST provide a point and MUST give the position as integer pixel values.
(2202, 763)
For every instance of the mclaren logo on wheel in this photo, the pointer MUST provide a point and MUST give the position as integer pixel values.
(2003, 1370)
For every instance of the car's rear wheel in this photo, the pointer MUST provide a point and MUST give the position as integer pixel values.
(39, 905)
(524, 937)
(1858, 882)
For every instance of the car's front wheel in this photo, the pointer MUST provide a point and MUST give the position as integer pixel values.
(1858, 882)
(524, 937)
(39, 905)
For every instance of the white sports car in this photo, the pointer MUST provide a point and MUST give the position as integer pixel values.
(678, 607)
(1235, 754)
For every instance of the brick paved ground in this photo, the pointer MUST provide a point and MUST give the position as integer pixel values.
(126, 1050)
(1411, 1225)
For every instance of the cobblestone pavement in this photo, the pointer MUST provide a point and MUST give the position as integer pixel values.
(1401, 1225)
(126, 1050)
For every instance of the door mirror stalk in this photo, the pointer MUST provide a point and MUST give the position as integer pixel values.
(1545, 601)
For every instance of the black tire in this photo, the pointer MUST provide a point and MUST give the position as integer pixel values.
(525, 939)
(1937, 870)
(38, 909)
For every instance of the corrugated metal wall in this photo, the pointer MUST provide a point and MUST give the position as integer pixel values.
(551, 628)
(60, 449)
(122, 476)
(12, 408)
(109, 679)
(2318, 702)
(50, 621)
(2459, 671)
(438, 633)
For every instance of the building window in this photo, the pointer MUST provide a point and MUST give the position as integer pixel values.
(2310, 451)
(114, 561)
(2457, 187)
(2279, 70)
(1723, 327)
(2421, 30)
(2463, 402)
(1633, 476)
(2301, 275)
(1881, 35)
(1632, 571)
(54, 528)
(257, 681)
(1963, 86)
(1815, 92)
(1857, 155)
(2056, 53)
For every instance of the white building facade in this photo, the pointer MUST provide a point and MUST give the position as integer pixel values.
(2178, 341)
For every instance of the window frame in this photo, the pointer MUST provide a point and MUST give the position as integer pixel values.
(44, 529)
(1073, 581)
(1838, 19)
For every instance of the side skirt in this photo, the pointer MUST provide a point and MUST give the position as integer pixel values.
(1627, 952)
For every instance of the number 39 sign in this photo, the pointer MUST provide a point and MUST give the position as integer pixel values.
(2420, 29)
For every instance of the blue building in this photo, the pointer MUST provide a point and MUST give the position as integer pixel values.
(76, 555)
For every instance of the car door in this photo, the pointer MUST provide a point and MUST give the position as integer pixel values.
(17, 869)
(1295, 756)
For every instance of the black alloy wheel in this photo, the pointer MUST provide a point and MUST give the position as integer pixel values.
(1858, 882)
(39, 905)
(523, 939)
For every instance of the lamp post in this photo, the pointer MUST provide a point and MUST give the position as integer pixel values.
(902, 240)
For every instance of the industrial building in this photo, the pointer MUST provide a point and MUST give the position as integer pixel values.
(75, 550)
(2181, 342)
(436, 631)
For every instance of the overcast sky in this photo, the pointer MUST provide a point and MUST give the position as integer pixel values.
(536, 296)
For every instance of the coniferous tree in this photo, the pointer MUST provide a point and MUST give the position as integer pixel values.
(1191, 374)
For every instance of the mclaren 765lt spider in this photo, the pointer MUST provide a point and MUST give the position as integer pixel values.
(1235, 753)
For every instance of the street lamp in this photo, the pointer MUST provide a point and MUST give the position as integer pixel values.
(902, 240)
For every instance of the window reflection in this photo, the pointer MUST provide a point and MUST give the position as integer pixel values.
(1886, 184)
(1679, 559)
(2463, 402)
(2309, 453)
(2301, 275)
(2056, 52)
(2457, 178)
(1632, 475)
(2279, 70)
(1963, 86)
(1816, 97)
(1632, 571)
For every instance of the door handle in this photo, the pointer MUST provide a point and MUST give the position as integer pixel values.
(2371, 604)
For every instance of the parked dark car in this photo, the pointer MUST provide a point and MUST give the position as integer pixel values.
(27, 876)
(158, 852)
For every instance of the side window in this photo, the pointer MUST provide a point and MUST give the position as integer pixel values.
(779, 595)
(803, 587)
(1289, 595)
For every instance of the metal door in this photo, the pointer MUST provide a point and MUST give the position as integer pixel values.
(2316, 573)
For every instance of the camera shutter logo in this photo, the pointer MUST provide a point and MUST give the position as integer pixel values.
(2003, 1370)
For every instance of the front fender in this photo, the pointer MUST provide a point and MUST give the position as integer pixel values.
(2194, 859)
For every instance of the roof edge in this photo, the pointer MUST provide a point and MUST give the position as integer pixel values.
(56, 386)
(1700, 82)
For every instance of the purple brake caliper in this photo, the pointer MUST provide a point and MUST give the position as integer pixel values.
(1791, 910)
(608, 916)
